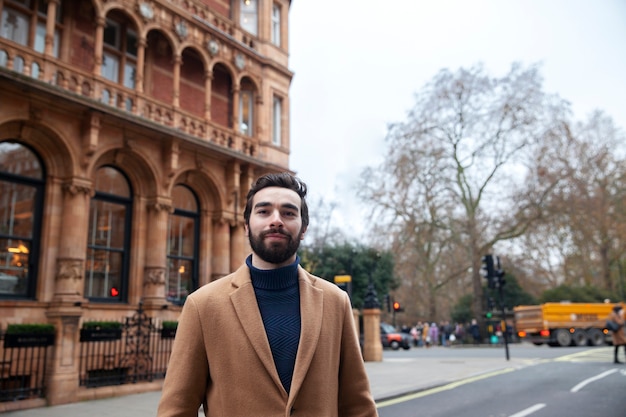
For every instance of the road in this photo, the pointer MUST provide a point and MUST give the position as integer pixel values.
(573, 382)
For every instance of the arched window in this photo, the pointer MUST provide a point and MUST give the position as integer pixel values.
(21, 206)
(108, 248)
(119, 58)
(18, 17)
(249, 17)
(182, 246)
(246, 108)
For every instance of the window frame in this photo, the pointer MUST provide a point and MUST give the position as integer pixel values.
(39, 185)
(193, 259)
(276, 27)
(252, 13)
(277, 120)
(125, 250)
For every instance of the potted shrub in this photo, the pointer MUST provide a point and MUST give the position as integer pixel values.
(168, 329)
(95, 331)
(24, 335)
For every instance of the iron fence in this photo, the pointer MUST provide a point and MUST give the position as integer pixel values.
(23, 366)
(136, 352)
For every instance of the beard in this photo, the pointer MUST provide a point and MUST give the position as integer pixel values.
(275, 253)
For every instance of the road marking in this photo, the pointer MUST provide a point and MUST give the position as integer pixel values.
(593, 354)
(589, 380)
(442, 388)
(528, 411)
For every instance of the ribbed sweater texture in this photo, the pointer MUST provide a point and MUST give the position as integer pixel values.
(278, 297)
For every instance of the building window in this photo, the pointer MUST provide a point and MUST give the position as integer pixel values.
(276, 24)
(19, 16)
(106, 267)
(249, 16)
(246, 112)
(21, 207)
(277, 121)
(119, 58)
(182, 246)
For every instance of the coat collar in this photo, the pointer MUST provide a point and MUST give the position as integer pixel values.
(246, 308)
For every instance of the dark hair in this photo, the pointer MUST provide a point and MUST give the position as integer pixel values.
(284, 180)
(617, 307)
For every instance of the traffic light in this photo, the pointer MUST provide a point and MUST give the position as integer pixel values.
(388, 303)
(488, 315)
(500, 274)
(397, 308)
(490, 272)
(114, 292)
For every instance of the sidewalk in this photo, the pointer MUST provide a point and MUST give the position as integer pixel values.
(390, 378)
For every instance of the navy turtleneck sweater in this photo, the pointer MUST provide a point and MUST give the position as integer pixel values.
(278, 297)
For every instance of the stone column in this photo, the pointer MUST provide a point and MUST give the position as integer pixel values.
(208, 89)
(155, 265)
(70, 270)
(65, 309)
(178, 61)
(141, 58)
(372, 346)
(98, 47)
(51, 17)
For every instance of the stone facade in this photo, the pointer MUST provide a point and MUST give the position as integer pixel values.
(165, 93)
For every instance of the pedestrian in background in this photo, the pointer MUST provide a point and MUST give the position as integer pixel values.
(474, 330)
(619, 338)
(269, 339)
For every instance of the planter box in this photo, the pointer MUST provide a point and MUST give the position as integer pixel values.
(168, 333)
(99, 335)
(28, 339)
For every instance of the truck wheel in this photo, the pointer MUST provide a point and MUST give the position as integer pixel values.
(595, 337)
(579, 337)
(563, 337)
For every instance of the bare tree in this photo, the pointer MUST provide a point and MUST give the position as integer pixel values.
(454, 174)
(584, 220)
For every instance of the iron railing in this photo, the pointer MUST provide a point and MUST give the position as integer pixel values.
(23, 366)
(137, 352)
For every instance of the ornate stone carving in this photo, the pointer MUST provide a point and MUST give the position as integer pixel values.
(181, 29)
(70, 270)
(75, 187)
(213, 47)
(240, 61)
(146, 11)
(154, 276)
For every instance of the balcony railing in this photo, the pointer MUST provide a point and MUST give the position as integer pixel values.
(25, 61)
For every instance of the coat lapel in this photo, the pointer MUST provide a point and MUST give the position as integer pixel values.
(246, 307)
(311, 304)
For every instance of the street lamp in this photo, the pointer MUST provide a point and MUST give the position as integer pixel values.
(371, 298)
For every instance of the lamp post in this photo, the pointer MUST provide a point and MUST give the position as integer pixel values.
(372, 349)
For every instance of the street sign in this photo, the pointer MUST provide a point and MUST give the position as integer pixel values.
(340, 279)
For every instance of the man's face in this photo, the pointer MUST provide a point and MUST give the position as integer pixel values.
(275, 229)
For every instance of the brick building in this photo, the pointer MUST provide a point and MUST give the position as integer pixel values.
(130, 131)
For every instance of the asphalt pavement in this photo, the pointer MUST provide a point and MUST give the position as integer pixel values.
(396, 375)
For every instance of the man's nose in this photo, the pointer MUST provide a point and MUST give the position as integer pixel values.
(276, 219)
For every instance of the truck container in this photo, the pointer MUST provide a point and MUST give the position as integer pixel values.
(564, 324)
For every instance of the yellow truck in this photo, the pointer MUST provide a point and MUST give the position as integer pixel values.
(563, 324)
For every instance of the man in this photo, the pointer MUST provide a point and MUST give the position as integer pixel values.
(270, 339)
(619, 337)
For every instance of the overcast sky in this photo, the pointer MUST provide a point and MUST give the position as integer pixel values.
(358, 65)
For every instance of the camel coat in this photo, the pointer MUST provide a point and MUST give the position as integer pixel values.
(221, 356)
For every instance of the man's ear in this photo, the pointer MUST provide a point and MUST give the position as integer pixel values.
(302, 233)
(246, 230)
